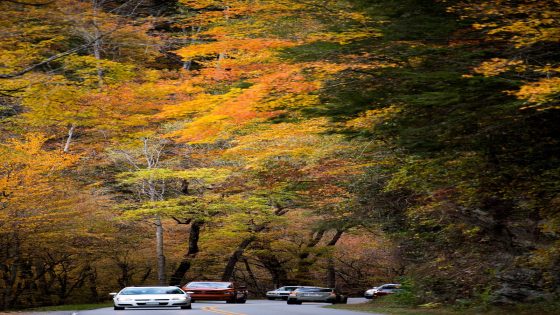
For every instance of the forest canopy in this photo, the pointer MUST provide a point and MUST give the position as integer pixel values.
(335, 143)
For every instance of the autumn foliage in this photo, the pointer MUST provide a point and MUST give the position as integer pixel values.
(334, 143)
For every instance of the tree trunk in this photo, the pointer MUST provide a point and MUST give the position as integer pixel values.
(331, 273)
(69, 139)
(331, 270)
(234, 258)
(275, 268)
(159, 251)
(252, 277)
(304, 262)
(97, 45)
(185, 264)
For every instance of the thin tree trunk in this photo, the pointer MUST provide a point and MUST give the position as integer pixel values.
(252, 276)
(159, 251)
(97, 45)
(69, 139)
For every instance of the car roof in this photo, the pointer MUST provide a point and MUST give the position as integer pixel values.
(152, 286)
(202, 281)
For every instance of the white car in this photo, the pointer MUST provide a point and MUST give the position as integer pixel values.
(136, 297)
(369, 293)
(281, 293)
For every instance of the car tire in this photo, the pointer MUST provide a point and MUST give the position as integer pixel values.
(270, 298)
(186, 307)
(242, 301)
(118, 308)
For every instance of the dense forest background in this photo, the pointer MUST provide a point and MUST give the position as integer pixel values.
(337, 143)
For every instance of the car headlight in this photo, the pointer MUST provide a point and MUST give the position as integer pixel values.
(122, 299)
(184, 298)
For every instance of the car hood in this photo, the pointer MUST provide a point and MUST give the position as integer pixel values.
(151, 296)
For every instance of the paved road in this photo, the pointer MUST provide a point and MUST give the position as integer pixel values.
(252, 307)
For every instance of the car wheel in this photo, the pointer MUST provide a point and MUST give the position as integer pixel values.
(118, 308)
(242, 301)
(186, 307)
(270, 298)
(291, 301)
(345, 300)
(232, 301)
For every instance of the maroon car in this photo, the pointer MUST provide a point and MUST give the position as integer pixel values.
(216, 291)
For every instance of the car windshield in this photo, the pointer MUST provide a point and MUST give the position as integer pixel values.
(213, 285)
(138, 291)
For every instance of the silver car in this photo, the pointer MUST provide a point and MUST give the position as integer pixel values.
(369, 293)
(136, 297)
(316, 294)
(281, 293)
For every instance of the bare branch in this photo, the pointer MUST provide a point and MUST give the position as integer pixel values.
(35, 4)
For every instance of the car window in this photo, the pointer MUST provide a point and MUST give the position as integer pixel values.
(289, 288)
(309, 289)
(138, 291)
(325, 290)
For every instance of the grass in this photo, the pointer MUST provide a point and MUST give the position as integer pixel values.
(389, 307)
(72, 307)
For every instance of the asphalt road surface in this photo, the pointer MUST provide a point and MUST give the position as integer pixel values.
(252, 307)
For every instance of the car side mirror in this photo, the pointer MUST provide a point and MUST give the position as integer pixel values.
(112, 294)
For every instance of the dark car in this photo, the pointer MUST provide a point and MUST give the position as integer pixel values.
(386, 289)
(316, 294)
(216, 291)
